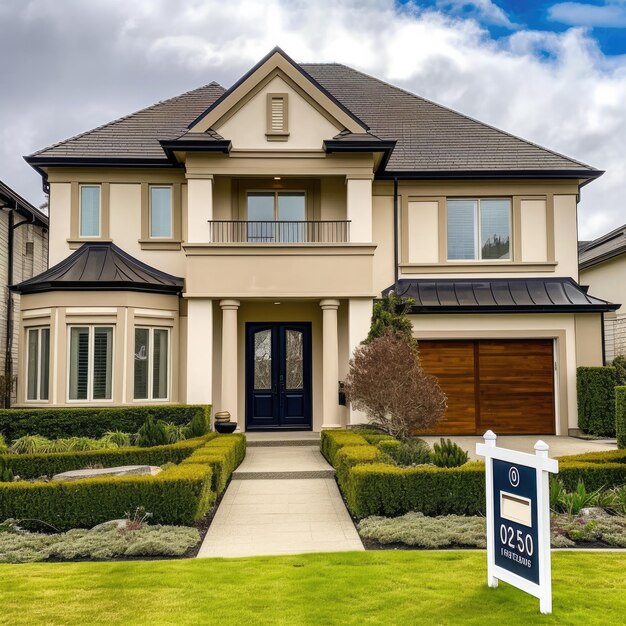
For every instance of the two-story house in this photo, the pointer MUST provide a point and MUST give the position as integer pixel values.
(226, 246)
(23, 254)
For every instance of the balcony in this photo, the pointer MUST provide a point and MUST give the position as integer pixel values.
(279, 232)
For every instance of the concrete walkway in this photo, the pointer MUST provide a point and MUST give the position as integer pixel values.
(559, 446)
(282, 500)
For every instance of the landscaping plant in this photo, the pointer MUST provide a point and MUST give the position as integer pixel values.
(116, 439)
(387, 382)
(446, 453)
(406, 453)
(391, 314)
(620, 416)
(595, 387)
(619, 363)
(6, 475)
(152, 434)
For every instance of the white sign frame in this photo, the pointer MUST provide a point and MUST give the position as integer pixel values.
(542, 466)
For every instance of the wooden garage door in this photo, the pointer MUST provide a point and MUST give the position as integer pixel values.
(505, 386)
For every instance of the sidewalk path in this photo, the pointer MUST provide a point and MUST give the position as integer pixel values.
(281, 500)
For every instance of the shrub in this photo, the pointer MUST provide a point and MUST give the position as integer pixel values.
(391, 314)
(592, 475)
(57, 423)
(40, 464)
(407, 453)
(152, 433)
(29, 444)
(595, 387)
(446, 453)
(349, 456)
(379, 489)
(331, 441)
(6, 475)
(116, 438)
(223, 454)
(387, 382)
(620, 416)
(3, 444)
(175, 432)
(619, 363)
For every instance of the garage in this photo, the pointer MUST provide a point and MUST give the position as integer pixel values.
(503, 385)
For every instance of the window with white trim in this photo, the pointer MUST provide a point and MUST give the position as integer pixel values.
(479, 229)
(161, 212)
(90, 210)
(38, 363)
(90, 363)
(151, 358)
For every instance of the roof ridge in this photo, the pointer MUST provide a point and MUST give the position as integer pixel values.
(472, 119)
(125, 117)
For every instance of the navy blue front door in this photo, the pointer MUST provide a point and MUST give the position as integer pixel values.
(278, 375)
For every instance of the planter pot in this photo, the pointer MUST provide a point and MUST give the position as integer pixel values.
(225, 427)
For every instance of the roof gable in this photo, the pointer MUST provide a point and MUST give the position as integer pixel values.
(276, 63)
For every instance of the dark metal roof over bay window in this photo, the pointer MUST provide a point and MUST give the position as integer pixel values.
(102, 266)
(511, 295)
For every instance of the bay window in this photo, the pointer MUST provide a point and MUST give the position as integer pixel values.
(38, 363)
(91, 363)
(151, 363)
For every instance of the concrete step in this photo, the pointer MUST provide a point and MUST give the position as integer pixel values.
(306, 474)
(282, 439)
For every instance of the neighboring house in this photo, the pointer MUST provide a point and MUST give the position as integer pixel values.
(23, 254)
(602, 266)
(225, 246)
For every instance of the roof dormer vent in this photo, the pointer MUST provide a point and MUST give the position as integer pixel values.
(277, 117)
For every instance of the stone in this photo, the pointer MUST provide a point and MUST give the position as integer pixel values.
(124, 470)
(593, 512)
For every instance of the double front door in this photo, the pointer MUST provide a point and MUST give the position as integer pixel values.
(278, 376)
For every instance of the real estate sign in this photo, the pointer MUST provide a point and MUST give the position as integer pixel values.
(518, 518)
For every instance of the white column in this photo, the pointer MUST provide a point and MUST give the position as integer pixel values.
(330, 361)
(200, 351)
(359, 209)
(359, 322)
(229, 358)
(199, 208)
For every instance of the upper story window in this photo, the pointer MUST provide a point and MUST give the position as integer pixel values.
(89, 214)
(38, 363)
(91, 363)
(479, 229)
(161, 212)
(277, 117)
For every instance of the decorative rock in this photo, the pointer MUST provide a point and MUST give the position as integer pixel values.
(593, 512)
(124, 470)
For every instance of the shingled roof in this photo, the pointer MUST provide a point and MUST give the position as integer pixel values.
(431, 140)
(608, 246)
(102, 266)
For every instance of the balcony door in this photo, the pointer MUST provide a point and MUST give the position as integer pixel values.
(278, 376)
(276, 216)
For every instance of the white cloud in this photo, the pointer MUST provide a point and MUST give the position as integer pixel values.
(70, 66)
(609, 15)
(483, 10)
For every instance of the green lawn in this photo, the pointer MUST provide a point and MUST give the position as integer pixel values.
(351, 588)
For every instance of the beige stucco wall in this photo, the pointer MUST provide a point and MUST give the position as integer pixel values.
(534, 230)
(588, 340)
(561, 328)
(307, 126)
(121, 310)
(382, 236)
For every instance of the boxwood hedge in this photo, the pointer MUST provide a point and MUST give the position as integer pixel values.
(620, 416)
(47, 464)
(595, 388)
(56, 423)
(179, 495)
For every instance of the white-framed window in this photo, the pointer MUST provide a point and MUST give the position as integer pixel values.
(90, 211)
(90, 363)
(479, 229)
(151, 363)
(38, 363)
(161, 212)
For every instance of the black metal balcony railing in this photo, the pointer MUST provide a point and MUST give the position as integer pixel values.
(241, 231)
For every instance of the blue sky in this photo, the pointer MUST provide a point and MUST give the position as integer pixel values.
(553, 72)
(606, 20)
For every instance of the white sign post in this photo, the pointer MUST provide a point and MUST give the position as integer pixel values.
(518, 518)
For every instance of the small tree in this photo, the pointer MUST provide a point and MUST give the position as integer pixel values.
(387, 382)
(391, 314)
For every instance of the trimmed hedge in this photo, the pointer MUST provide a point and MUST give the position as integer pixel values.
(331, 441)
(620, 416)
(47, 464)
(380, 489)
(179, 496)
(349, 456)
(596, 470)
(224, 454)
(595, 389)
(55, 423)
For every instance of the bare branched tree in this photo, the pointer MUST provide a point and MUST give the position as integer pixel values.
(387, 382)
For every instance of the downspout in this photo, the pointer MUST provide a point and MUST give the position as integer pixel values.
(395, 234)
(8, 362)
(603, 339)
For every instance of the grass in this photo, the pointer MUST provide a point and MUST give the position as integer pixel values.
(352, 588)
